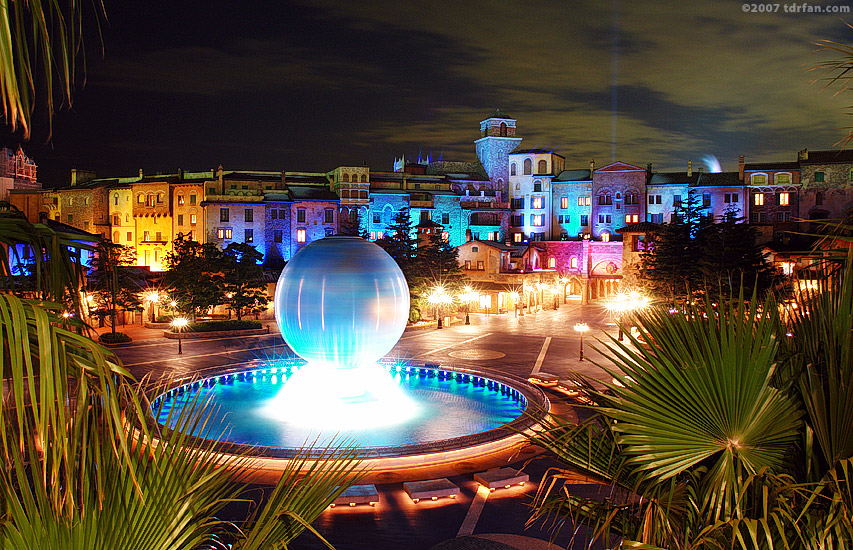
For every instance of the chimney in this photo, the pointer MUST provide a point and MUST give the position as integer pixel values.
(803, 155)
(689, 168)
(219, 175)
(141, 174)
(740, 167)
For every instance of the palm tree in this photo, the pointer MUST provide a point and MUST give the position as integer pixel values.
(688, 426)
(82, 465)
(39, 40)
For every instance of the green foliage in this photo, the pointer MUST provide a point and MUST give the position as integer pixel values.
(245, 289)
(438, 265)
(227, 325)
(194, 275)
(732, 429)
(114, 338)
(401, 245)
(39, 41)
(113, 287)
(692, 256)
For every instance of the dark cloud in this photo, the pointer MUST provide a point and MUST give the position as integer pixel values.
(314, 84)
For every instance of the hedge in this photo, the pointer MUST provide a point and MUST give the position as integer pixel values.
(212, 326)
(110, 338)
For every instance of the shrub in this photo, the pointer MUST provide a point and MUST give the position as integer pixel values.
(211, 326)
(113, 338)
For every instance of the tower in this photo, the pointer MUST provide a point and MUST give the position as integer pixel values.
(497, 141)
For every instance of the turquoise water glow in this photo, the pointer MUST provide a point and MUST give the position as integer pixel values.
(449, 405)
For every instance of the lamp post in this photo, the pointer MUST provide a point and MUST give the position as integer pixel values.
(468, 295)
(626, 303)
(179, 324)
(581, 328)
(439, 297)
(152, 297)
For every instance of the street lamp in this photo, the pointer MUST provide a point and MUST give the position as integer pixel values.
(626, 303)
(153, 297)
(179, 324)
(438, 298)
(467, 296)
(581, 328)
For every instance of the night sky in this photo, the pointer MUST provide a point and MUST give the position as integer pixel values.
(316, 84)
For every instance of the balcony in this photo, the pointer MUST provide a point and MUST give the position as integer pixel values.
(421, 203)
(484, 205)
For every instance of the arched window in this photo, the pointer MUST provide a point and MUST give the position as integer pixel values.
(345, 178)
(115, 236)
(552, 262)
(605, 237)
(573, 263)
(345, 193)
(618, 196)
(140, 198)
(150, 200)
(542, 168)
(528, 167)
(362, 194)
(115, 199)
(127, 218)
(116, 220)
(180, 199)
(160, 197)
(512, 171)
(503, 129)
(364, 178)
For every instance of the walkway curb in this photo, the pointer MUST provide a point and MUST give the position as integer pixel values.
(214, 333)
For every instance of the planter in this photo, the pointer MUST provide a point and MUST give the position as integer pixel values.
(215, 333)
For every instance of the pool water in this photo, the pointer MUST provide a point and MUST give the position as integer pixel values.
(448, 404)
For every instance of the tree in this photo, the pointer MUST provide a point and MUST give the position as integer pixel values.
(244, 278)
(194, 275)
(729, 258)
(40, 43)
(668, 265)
(438, 264)
(401, 245)
(113, 286)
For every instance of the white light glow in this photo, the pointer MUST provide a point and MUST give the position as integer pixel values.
(324, 397)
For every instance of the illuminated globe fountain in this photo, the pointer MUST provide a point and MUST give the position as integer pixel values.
(342, 304)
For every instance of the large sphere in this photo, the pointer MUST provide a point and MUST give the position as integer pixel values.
(341, 301)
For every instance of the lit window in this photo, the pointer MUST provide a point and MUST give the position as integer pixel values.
(538, 220)
(538, 203)
(159, 197)
(223, 233)
(300, 235)
(146, 236)
(580, 201)
(248, 235)
(587, 201)
(759, 179)
(784, 199)
(380, 234)
(445, 236)
(373, 235)
(480, 265)
(140, 198)
(783, 178)
(468, 264)
(573, 263)
(758, 199)
(180, 200)
(552, 262)
(605, 237)
(632, 218)
(516, 237)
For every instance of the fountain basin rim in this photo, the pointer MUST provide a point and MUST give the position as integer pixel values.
(537, 406)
